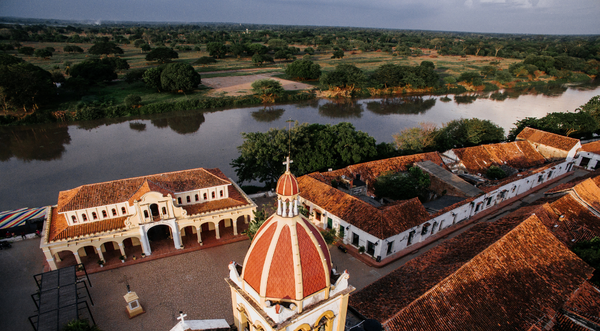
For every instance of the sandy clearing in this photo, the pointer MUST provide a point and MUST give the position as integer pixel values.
(241, 85)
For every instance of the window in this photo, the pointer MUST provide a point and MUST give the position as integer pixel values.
(146, 214)
(370, 248)
(317, 216)
(84, 217)
(196, 197)
(104, 215)
(213, 195)
(549, 174)
(433, 227)
(74, 219)
(164, 210)
(342, 231)
(390, 248)
(205, 196)
(540, 178)
(123, 211)
(114, 212)
(355, 239)
(584, 162)
(411, 236)
(477, 207)
(425, 229)
(179, 201)
(188, 199)
(221, 193)
(329, 223)
(488, 202)
(94, 216)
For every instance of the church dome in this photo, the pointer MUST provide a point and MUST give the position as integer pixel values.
(288, 259)
(287, 184)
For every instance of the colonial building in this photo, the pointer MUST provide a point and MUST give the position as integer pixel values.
(588, 156)
(343, 200)
(512, 274)
(286, 281)
(121, 214)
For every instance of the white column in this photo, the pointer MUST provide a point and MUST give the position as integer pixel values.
(49, 259)
(77, 258)
(57, 257)
(295, 207)
(217, 233)
(122, 249)
(100, 255)
(144, 241)
(234, 221)
(199, 234)
(279, 207)
(176, 234)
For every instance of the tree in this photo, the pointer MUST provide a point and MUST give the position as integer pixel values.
(495, 172)
(260, 216)
(206, 60)
(589, 251)
(145, 48)
(24, 86)
(471, 77)
(95, 70)
(314, 147)
(151, 78)
(105, 48)
(338, 54)
(267, 89)
(216, 49)
(80, 325)
(42, 53)
(162, 55)
(179, 77)
(344, 76)
(468, 132)
(133, 100)
(303, 70)
(259, 59)
(273, 42)
(402, 186)
(116, 62)
(309, 50)
(134, 75)
(416, 139)
(488, 71)
(26, 50)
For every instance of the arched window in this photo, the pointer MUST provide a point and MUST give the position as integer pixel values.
(221, 193)
(213, 195)
(205, 196)
(114, 212)
(178, 200)
(84, 217)
(164, 210)
(188, 199)
(196, 196)
(146, 214)
(104, 215)
(123, 211)
(94, 216)
(74, 219)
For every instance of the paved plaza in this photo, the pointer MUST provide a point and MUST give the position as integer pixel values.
(192, 282)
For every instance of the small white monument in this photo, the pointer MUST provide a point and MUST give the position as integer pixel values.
(133, 305)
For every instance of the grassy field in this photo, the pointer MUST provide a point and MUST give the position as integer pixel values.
(115, 92)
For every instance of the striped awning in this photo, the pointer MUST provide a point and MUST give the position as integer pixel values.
(12, 218)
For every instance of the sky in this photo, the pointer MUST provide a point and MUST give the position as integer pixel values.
(495, 16)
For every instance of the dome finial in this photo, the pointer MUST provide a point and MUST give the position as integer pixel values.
(287, 163)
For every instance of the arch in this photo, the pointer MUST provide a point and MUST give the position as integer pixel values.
(189, 236)
(258, 326)
(111, 250)
(132, 247)
(114, 212)
(64, 258)
(160, 236)
(303, 327)
(325, 321)
(154, 210)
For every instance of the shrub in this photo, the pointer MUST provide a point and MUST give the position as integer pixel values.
(495, 172)
(206, 60)
(133, 100)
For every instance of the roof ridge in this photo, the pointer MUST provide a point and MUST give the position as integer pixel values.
(533, 217)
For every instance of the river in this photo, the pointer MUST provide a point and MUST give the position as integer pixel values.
(36, 162)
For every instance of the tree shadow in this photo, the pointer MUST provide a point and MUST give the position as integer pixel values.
(341, 108)
(43, 143)
(267, 114)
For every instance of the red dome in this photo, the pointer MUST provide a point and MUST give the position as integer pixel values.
(287, 185)
(270, 267)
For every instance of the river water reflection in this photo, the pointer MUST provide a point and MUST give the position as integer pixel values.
(36, 162)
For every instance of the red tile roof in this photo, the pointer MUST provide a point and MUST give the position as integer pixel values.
(280, 281)
(381, 222)
(287, 185)
(100, 194)
(585, 302)
(496, 276)
(369, 171)
(548, 139)
(60, 229)
(255, 262)
(589, 192)
(518, 154)
(593, 147)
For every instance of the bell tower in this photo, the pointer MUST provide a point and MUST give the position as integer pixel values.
(287, 281)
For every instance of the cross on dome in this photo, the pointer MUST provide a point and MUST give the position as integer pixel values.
(287, 163)
(181, 316)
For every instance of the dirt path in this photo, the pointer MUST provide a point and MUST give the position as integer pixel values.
(241, 85)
